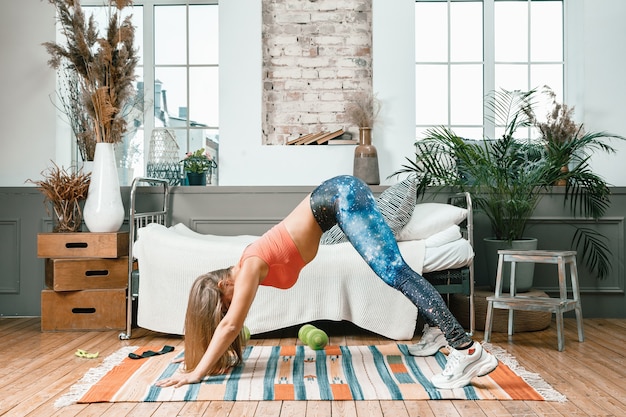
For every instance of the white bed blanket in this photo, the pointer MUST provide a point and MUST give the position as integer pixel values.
(337, 285)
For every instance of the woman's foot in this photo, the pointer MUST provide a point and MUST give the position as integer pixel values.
(463, 365)
(432, 340)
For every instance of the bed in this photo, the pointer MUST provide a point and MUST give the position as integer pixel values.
(435, 239)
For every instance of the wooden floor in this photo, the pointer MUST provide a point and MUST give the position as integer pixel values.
(36, 368)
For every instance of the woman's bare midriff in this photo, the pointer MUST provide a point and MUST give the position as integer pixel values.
(304, 230)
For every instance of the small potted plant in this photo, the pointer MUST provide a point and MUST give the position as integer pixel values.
(197, 166)
(64, 190)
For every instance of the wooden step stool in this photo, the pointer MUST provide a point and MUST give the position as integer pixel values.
(558, 306)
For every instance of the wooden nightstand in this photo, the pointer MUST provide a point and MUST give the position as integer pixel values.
(86, 276)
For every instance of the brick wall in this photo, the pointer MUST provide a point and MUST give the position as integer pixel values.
(316, 55)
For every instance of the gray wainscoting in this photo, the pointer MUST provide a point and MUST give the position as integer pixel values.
(227, 210)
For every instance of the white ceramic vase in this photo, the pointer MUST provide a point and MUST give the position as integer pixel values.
(104, 210)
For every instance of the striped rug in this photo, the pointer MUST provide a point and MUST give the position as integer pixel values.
(380, 372)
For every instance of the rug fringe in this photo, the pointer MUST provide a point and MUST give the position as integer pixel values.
(531, 378)
(92, 376)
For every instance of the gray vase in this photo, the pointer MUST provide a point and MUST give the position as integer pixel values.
(524, 272)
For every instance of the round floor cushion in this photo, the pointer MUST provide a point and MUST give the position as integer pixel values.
(524, 321)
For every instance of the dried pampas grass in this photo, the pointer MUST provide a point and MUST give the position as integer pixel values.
(64, 190)
(105, 63)
(363, 110)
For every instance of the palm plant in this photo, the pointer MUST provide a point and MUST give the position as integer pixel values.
(507, 176)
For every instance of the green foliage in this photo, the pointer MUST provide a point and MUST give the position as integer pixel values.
(198, 162)
(507, 176)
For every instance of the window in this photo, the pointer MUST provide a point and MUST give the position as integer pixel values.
(177, 77)
(466, 49)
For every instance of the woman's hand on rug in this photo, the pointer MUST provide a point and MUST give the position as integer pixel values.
(178, 380)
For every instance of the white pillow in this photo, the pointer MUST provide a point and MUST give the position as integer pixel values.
(448, 235)
(430, 218)
(455, 254)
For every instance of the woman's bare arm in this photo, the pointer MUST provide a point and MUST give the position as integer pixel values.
(246, 284)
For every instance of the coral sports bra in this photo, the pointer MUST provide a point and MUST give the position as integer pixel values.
(277, 249)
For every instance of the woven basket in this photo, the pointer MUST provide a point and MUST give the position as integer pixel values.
(523, 321)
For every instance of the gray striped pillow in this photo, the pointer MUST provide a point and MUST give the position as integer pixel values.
(396, 204)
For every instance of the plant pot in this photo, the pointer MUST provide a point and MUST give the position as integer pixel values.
(104, 210)
(66, 216)
(196, 178)
(524, 272)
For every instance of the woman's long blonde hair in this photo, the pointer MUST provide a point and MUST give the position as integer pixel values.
(205, 310)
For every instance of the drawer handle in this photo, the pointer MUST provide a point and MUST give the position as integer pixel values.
(76, 245)
(83, 310)
(97, 273)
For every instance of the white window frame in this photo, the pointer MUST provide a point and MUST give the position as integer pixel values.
(489, 62)
(148, 62)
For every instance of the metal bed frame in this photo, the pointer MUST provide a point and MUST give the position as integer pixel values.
(459, 281)
(137, 220)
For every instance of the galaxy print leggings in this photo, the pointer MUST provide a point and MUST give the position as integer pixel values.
(348, 201)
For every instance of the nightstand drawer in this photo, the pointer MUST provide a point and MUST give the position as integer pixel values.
(82, 245)
(83, 310)
(86, 273)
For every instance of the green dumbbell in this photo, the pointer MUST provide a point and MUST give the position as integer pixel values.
(302, 333)
(246, 334)
(316, 339)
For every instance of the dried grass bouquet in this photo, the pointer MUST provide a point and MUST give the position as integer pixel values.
(363, 110)
(72, 105)
(65, 190)
(559, 126)
(105, 64)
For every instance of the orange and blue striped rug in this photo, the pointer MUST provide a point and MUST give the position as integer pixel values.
(377, 372)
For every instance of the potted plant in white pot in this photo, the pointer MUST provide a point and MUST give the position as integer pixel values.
(507, 177)
(105, 68)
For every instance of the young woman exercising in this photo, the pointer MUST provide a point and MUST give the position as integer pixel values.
(219, 301)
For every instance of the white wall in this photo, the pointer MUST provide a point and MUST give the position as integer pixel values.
(28, 118)
(243, 159)
(603, 84)
(393, 28)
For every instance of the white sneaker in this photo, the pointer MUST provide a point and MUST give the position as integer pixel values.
(431, 341)
(463, 365)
